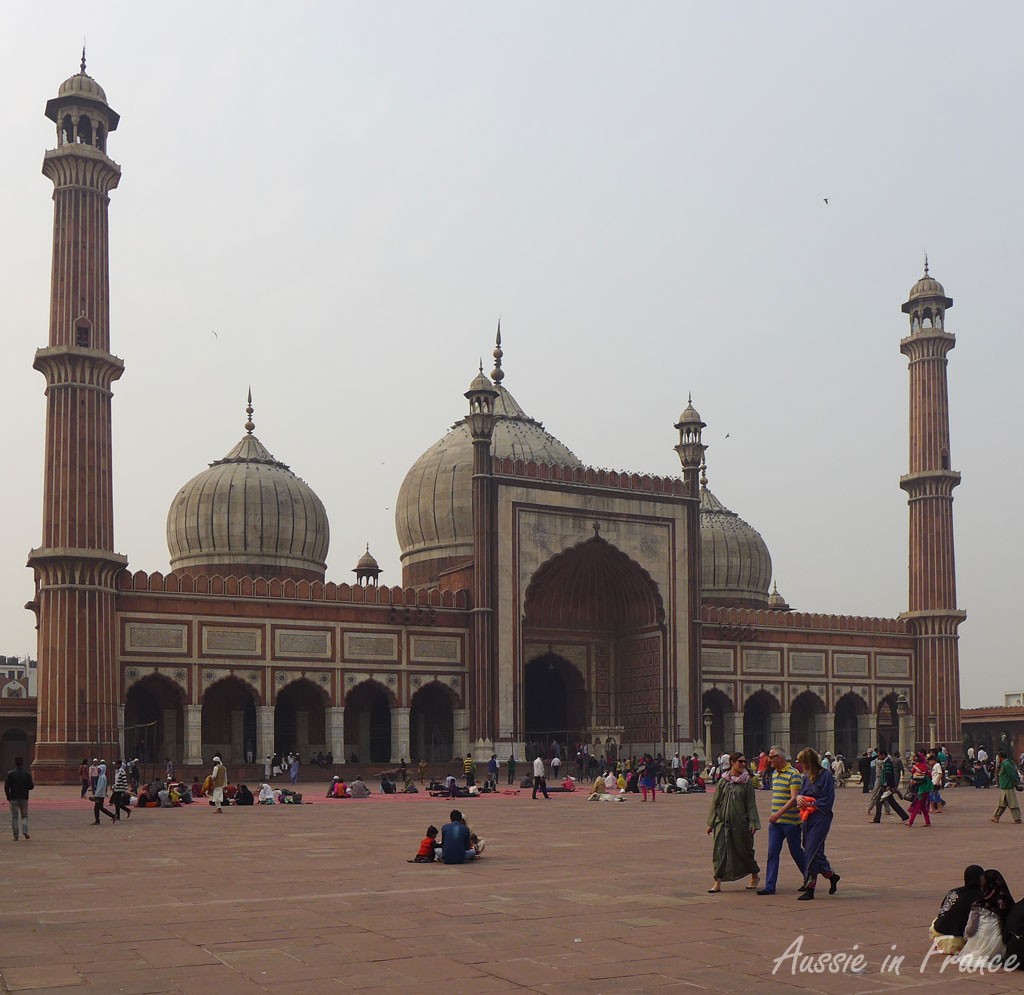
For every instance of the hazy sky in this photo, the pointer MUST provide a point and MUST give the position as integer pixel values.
(349, 196)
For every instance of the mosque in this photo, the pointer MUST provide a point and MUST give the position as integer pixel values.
(541, 599)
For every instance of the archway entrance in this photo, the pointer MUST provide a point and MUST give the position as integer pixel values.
(368, 723)
(432, 724)
(14, 744)
(555, 706)
(300, 719)
(595, 597)
(889, 725)
(757, 722)
(154, 724)
(229, 721)
(803, 729)
(849, 708)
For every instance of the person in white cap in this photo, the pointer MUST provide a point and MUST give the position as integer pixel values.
(220, 780)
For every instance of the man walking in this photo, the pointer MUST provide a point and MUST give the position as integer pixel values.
(1008, 781)
(16, 787)
(784, 822)
(889, 785)
(220, 780)
(539, 782)
(864, 769)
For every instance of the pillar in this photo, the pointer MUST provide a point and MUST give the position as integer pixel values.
(399, 734)
(170, 725)
(264, 732)
(237, 744)
(334, 718)
(193, 735)
(867, 731)
(907, 731)
(460, 723)
(779, 726)
(825, 732)
(120, 733)
(302, 733)
(734, 733)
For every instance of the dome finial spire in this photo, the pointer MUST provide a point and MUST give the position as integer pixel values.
(926, 263)
(498, 374)
(249, 426)
(83, 56)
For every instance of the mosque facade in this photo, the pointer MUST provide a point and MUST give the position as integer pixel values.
(541, 599)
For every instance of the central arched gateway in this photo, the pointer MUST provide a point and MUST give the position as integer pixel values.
(594, 635)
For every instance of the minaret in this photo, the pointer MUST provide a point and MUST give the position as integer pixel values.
(76, 566)
(690, 450)
(932, 613)
(483, 689)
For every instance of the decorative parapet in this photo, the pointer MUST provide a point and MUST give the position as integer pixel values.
(762, 618)
(590, 476)
(288, 589)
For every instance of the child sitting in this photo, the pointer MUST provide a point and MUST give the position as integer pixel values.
(425, 854)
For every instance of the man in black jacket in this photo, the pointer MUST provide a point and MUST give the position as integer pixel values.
(16, 788)
(864, 768)
(887, 796)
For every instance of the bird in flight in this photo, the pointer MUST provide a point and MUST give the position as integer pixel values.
(214, 334)
(825, 199)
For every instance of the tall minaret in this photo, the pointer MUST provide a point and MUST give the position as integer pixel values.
(932, 612)
(76, 566)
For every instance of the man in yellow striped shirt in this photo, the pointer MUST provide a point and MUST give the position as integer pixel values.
(784, 822)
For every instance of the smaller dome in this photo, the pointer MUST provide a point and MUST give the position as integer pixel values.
(481, 382)
(81, 85)
(367, 561)
(776, 601)
(927, 286)
(690, 415)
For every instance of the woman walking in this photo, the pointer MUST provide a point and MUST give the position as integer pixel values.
(648, 780)
(99, 796)
(815, 801)
(920, 791)
(733, 820)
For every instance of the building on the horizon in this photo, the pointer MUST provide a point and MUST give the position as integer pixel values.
(542, 600)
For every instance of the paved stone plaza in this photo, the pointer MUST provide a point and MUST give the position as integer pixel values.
(570, 897)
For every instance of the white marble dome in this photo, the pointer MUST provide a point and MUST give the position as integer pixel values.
(434, 513)
(248, 514)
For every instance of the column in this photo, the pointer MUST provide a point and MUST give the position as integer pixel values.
(867, 731)
(825, 732)
(907, 731)
(334, 718)
(302, 733)
(171, 733)
(237, 743)
(734, 724)
(779, 726)
(460, 722)
(120, 732)
(193, 735)
(264, 732)
(399, 734)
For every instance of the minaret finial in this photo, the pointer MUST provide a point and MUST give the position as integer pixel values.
(689, 397)
(83, 56)
(249, 426)
(926, 264)
(703, 471)
(498, 374)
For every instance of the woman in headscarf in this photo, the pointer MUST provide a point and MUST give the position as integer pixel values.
(920, 791)
(947, 929)
(985, 924)
(815, 800)
(733, 820)
(266, 795)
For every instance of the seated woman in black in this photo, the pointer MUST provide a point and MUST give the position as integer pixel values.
(947, 930)
(243, 796)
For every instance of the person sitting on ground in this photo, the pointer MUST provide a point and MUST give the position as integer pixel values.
(610, 783)
(678, 787)
(387, 786)
(185, 793)
(333, 788)
(197, 788)
(243, 796)
(456, 846)
(599, 788)
(410, 788)
(165, 797)
(266, 795)
(426, 853)
(947, 929)
(1013, 929)
(144, 801)
(358, 789)
(478, 844)
(568, 784)
(985, 924)
(451, 783)
(207, 787)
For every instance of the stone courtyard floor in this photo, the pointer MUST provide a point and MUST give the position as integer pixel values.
(570, 897)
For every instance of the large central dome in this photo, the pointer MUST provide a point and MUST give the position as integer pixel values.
(434, 514)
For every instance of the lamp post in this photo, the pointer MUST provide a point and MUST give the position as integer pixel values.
(708, 718)
(933, 732)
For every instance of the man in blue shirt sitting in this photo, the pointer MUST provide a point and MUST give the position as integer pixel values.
(455, 845)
